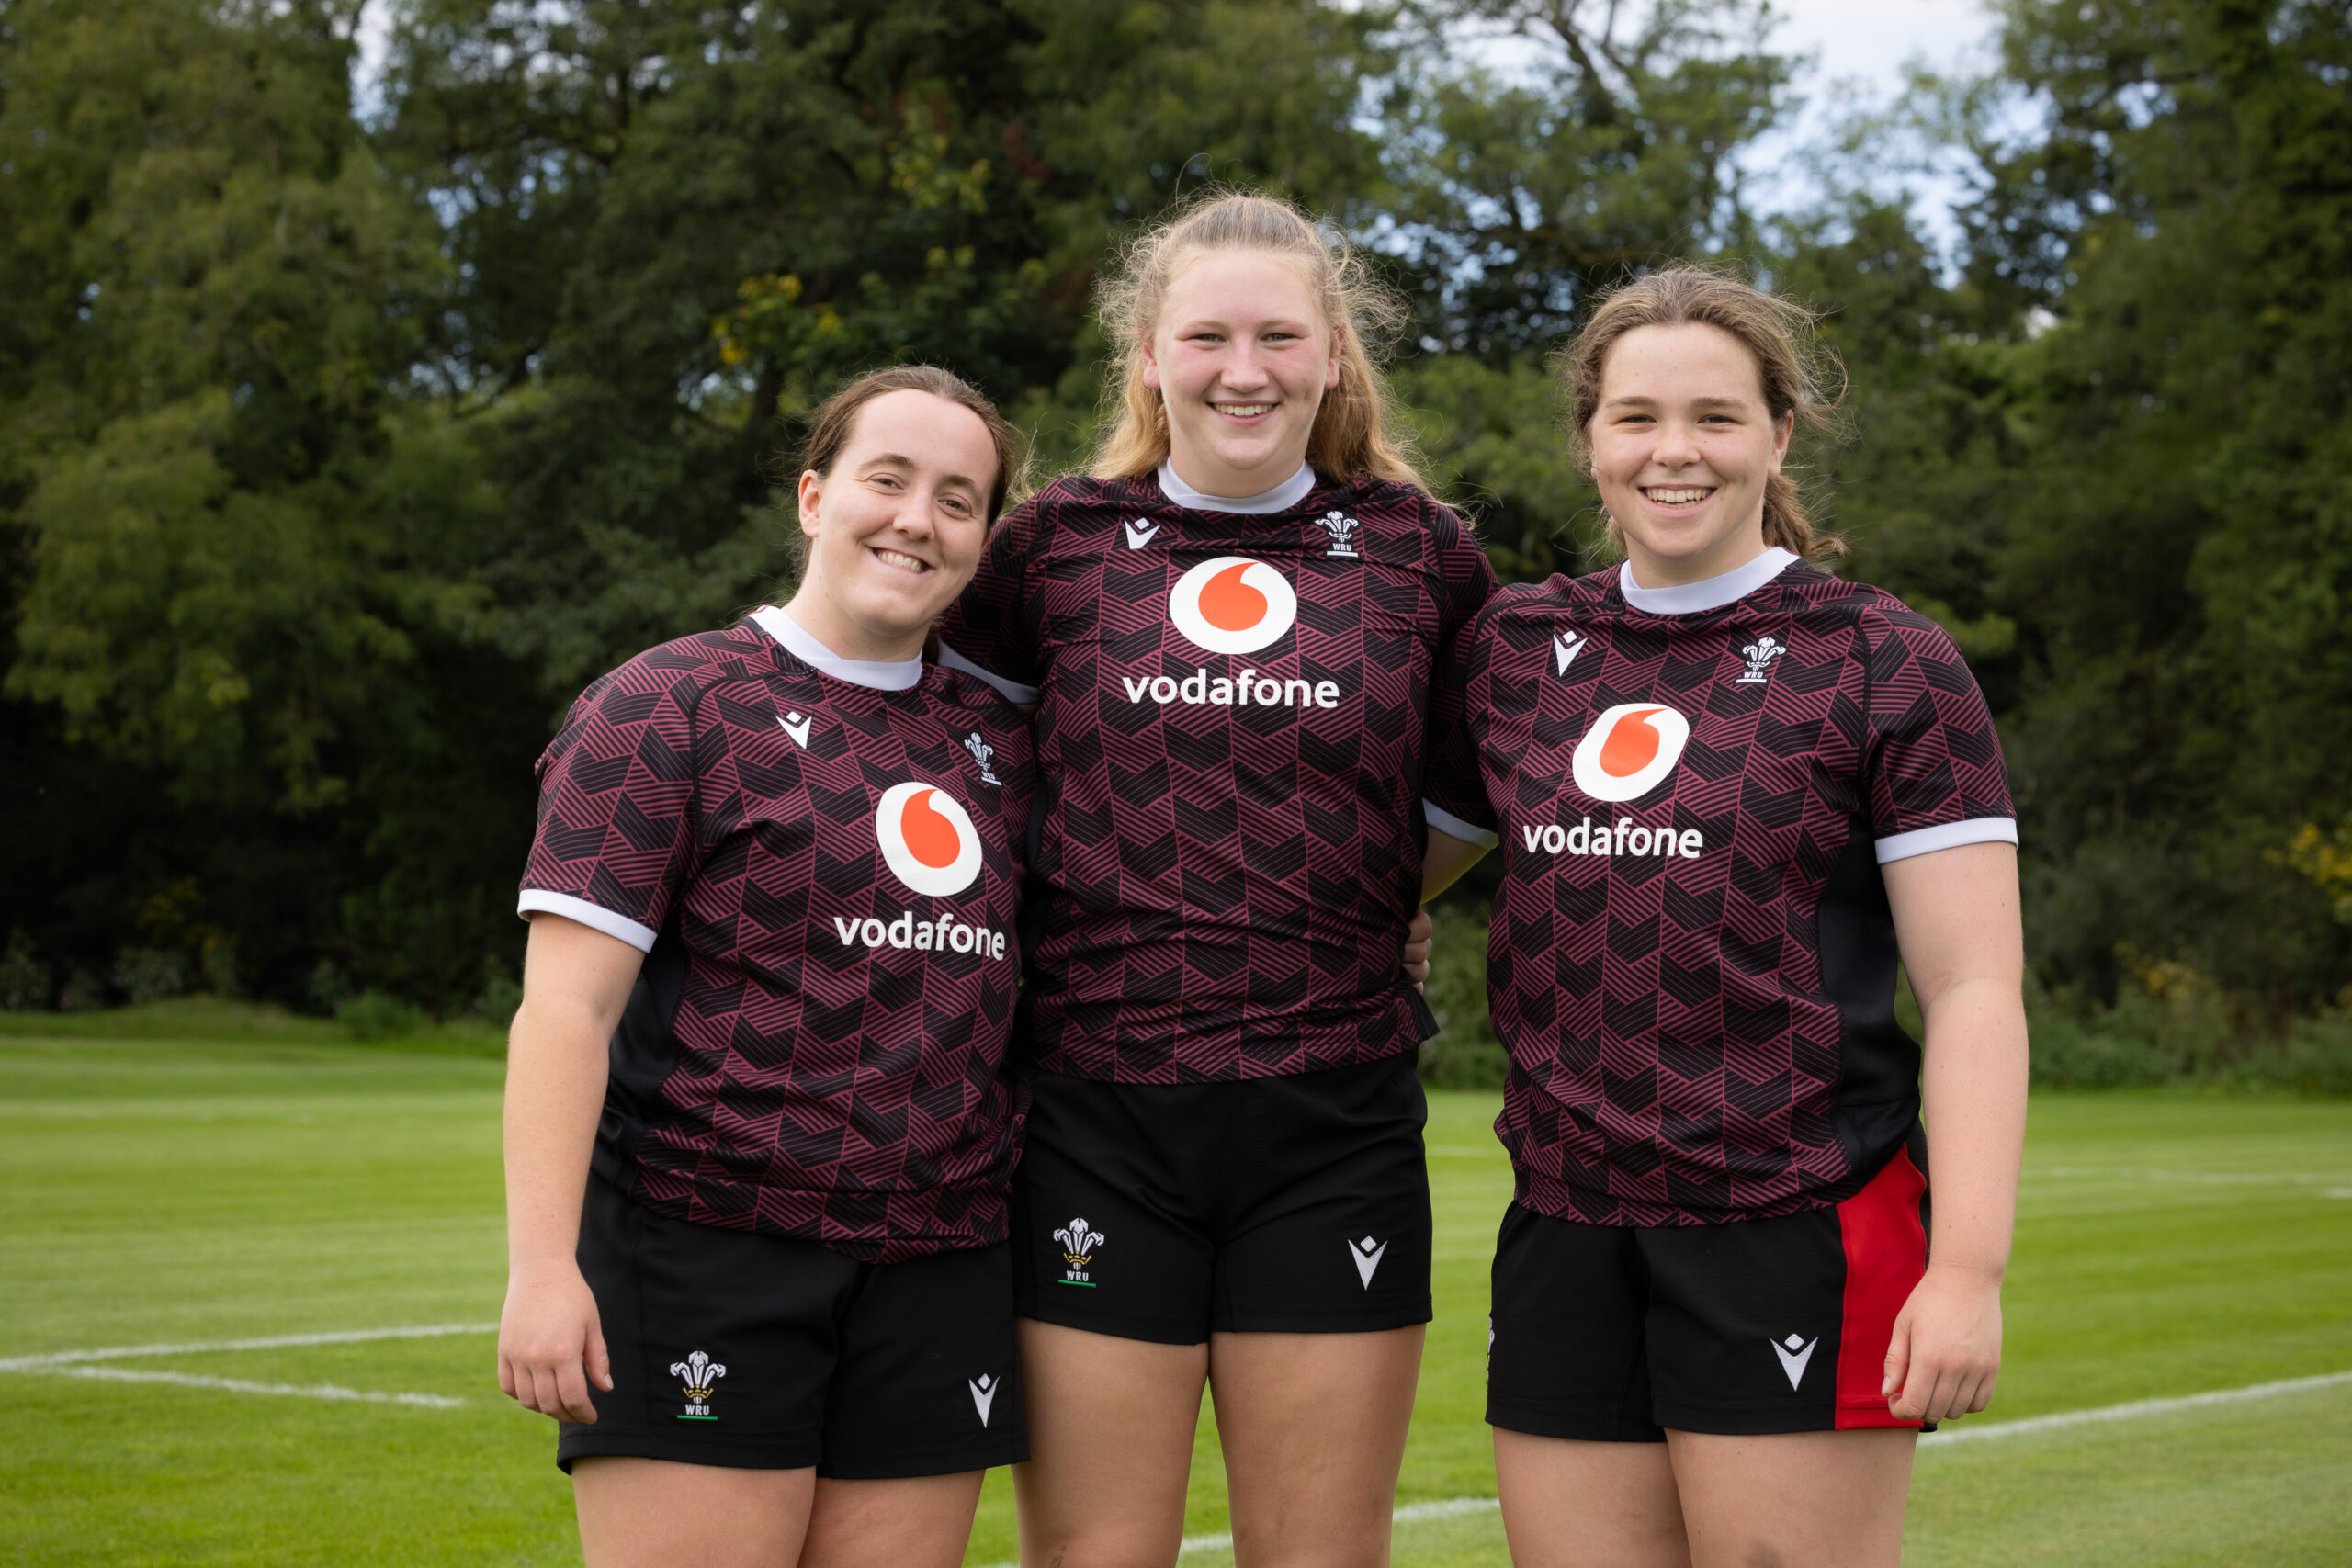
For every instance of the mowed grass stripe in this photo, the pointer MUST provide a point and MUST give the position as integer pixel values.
(284, 1191)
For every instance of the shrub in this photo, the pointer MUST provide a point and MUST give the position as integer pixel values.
(149, 974)
(81, 993)
(327, 988)
(2314, 1058)
(24, 979)
(2065, 1054)
(379, 1015)
(220, 963)
(502, 994)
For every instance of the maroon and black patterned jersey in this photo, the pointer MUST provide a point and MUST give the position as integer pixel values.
(1691, 959)
(1233, 719)
(825, 878)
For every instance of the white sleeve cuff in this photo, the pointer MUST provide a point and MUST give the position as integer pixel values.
(596, 917)
(1948, 836)
(1013, 692)
(1454, 827)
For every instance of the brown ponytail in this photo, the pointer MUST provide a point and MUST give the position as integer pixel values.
(1780, 333)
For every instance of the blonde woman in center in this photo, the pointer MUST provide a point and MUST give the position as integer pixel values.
(1229, 629)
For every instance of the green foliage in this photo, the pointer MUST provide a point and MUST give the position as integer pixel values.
(375, 1015)
(24, 979)
(2198, 375)
(336, 457)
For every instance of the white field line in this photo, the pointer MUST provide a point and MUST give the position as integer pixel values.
(2197, 1178)
(83, 1364)
(275, 1342)
(2137, 1408)
(1452, 1507)
(240, 1385)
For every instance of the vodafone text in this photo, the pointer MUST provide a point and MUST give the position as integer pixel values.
(947, 934)
(1623, 837)
(1238, 691)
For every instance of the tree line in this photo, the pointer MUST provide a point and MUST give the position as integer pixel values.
(341, 444)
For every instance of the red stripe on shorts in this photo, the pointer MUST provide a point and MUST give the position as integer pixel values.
(1886, 1254)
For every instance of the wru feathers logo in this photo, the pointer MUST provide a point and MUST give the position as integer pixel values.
(1078, 1248)
(699, 1372)
(1079, 1243)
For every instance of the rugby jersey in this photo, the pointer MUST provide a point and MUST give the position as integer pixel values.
(1233, 720)
(1691, 959)
(824, 874)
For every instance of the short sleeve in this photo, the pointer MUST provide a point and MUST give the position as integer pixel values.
(1454, 792)
(990, 631)
(1935, 779)
(616, 805)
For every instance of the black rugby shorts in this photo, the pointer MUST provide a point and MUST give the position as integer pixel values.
(1614, 1333)
(1167, 1212)
(759, 1352)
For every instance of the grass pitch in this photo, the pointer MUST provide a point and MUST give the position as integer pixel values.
(162, 1191)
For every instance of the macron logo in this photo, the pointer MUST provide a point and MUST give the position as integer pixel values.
(1793, 1358)
(1564, 648)
(1368, 1255)
(797, 728)
(983, 1389)
(1138, 536)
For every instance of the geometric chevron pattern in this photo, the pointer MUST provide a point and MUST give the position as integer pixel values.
(772, 1074)
(1702, 1038)
(1224, 885)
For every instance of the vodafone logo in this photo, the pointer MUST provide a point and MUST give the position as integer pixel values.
(927, 839)
(1232, 605)
(1629, 751)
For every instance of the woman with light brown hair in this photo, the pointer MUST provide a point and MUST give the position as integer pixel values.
(1229, 629)
(1731, 792)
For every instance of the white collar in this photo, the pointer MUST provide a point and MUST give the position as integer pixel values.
(881, 675)
(1281, 498)
(1708, 593)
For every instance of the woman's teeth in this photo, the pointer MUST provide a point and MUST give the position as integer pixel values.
(903, 563)
(1243, 411)
(1688, 496)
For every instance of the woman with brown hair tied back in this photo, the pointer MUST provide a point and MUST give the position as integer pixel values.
(1229, 629)
(758, 1125)
(1733, 792)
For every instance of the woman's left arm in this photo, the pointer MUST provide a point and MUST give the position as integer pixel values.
(1956, 919)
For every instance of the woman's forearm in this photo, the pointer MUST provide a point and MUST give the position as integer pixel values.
(555, 1091)
(1974, 1091)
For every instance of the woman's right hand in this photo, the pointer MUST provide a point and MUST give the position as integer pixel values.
(552, 1344)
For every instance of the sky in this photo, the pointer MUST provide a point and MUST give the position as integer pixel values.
(1865, 44)
(1869, 39)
